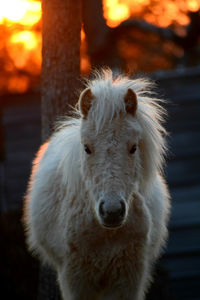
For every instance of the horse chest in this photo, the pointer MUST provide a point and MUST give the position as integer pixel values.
(104, 259)
(99, 246)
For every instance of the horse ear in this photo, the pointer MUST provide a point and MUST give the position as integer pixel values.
(130, 100)
(85, 102)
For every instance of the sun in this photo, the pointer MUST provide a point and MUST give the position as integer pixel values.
(20, 11)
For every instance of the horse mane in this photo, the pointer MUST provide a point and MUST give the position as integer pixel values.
(109, 92)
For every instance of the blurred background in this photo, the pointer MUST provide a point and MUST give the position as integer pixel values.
(159, 39)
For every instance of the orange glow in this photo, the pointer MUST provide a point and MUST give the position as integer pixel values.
(27, 38)
(18, 84)
(21, 11)
(82, 35)
(25, 50)
(85, 61)
(160, 13)
(193, 5)
(115, 12)
(21, 43)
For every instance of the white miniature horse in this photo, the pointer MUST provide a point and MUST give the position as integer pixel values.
(97, 205)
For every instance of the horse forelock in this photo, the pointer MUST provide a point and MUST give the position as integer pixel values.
(109, 92)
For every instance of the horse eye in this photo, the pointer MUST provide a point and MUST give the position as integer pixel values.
(133, 149)
(87, 149)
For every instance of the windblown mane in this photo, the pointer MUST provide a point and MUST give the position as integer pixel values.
(109, 92)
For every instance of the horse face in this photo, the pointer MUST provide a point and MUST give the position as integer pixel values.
(110, 167)
(110, 154)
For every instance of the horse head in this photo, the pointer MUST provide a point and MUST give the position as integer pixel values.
(110, 136)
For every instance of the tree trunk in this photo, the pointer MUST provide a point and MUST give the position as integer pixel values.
(60, 84)
(61, 59)
(102, 48)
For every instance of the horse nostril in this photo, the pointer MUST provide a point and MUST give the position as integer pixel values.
(101, 209)
(123, 208)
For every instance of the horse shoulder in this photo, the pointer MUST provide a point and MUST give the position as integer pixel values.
(44, 209)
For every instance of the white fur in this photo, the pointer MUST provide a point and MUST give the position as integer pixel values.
(61, 206)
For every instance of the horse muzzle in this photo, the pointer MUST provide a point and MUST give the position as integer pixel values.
(112, 211)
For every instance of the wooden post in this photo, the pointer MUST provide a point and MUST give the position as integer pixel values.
(60, 83)
(60, 59)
